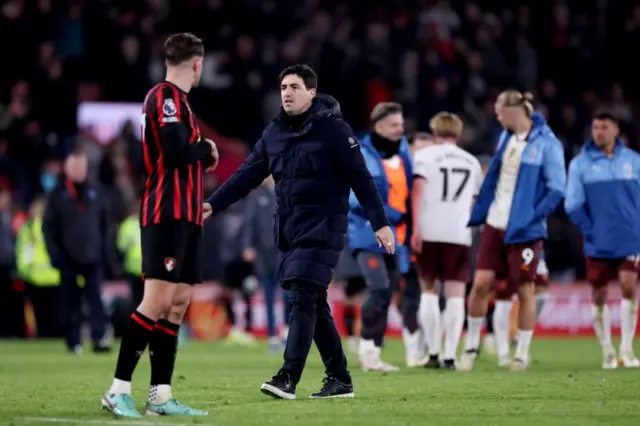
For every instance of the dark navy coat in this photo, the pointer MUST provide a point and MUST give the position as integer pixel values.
(314, 165)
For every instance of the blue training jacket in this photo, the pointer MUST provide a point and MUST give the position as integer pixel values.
(603, 200)
(360, 235)
(539, 187)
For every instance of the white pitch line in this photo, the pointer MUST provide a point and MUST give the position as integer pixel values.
(101, 422)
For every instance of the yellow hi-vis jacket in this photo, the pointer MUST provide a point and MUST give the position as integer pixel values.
(130, 245)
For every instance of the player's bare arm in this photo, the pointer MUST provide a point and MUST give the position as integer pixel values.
(416, 202)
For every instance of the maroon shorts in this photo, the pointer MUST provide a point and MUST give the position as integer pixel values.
(542, 281)
(517, 262)
(601, 272)
(443, 261)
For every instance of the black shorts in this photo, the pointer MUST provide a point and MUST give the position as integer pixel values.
(236, 272)
(172, 251)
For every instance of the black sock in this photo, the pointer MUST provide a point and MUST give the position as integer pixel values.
(228, 307)
(349, 318)
(410, 320)
(134, 342)
(162, 351)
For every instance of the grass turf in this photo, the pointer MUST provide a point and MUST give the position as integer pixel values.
(40, 384)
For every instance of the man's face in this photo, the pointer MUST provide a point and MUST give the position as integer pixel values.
(604, 132)
(75, 168)
(296, 98)
(507, 116)
(198, 64)
(391, 127)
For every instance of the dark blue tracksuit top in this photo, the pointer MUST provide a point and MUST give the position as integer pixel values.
(315, 163)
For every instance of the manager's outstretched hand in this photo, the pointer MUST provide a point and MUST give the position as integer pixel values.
(207, 210)
(385, 239)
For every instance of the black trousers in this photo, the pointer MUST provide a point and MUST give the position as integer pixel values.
(12, 323)
(411, 300)
(311, 320)
(71, 302)
(44, 301)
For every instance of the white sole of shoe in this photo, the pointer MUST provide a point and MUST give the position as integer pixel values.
(274, 392)
(344, 395)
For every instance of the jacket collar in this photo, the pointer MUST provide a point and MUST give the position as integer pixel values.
(595, 153)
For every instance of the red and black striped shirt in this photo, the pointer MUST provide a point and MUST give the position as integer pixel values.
(174, 160)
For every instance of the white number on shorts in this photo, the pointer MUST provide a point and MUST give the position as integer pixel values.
(635, 259)
(527, 256)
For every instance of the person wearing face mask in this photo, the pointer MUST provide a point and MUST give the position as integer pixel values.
(523, 186)
(386, 153)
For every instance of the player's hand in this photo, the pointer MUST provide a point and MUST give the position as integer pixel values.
(385, 239)
(215, 156)
(249, 255)
(207, 210)
(416, 242)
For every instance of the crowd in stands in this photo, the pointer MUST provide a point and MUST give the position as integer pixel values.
(429, 55)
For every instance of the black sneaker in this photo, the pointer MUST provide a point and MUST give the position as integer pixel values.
(449, 364)
(333, 388)
(433, 362)
(280, 386)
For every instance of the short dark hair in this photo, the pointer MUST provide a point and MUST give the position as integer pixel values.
(420, 136)
(606, 115)
(383, 110)
(181, 47)
(305, 72)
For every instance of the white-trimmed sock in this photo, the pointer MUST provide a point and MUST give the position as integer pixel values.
(159, 394)
(120, 386)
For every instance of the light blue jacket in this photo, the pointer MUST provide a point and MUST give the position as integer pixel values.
(603, 200)
(360, 235)
(540, 184)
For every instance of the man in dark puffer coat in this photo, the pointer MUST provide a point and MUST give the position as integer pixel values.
(315, 160)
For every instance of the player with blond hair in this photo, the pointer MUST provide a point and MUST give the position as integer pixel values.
(523, 186)
(446, 181)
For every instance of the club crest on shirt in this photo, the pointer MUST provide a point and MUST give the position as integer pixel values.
(169, 108)
(627, 171)
(169, 264)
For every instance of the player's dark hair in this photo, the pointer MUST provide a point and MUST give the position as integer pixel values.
(606, 115)
(305, 72)
(420, 136)
(181, 47)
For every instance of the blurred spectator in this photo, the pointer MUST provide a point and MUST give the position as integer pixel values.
(259, 250)
(11, 314)
(77, 235)
(35, 269)
(237, 273)
(130, 247)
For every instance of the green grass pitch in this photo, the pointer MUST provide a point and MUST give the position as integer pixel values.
(40, 384)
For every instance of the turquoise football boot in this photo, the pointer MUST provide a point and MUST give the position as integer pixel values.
(120, 404)
(173, 407)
